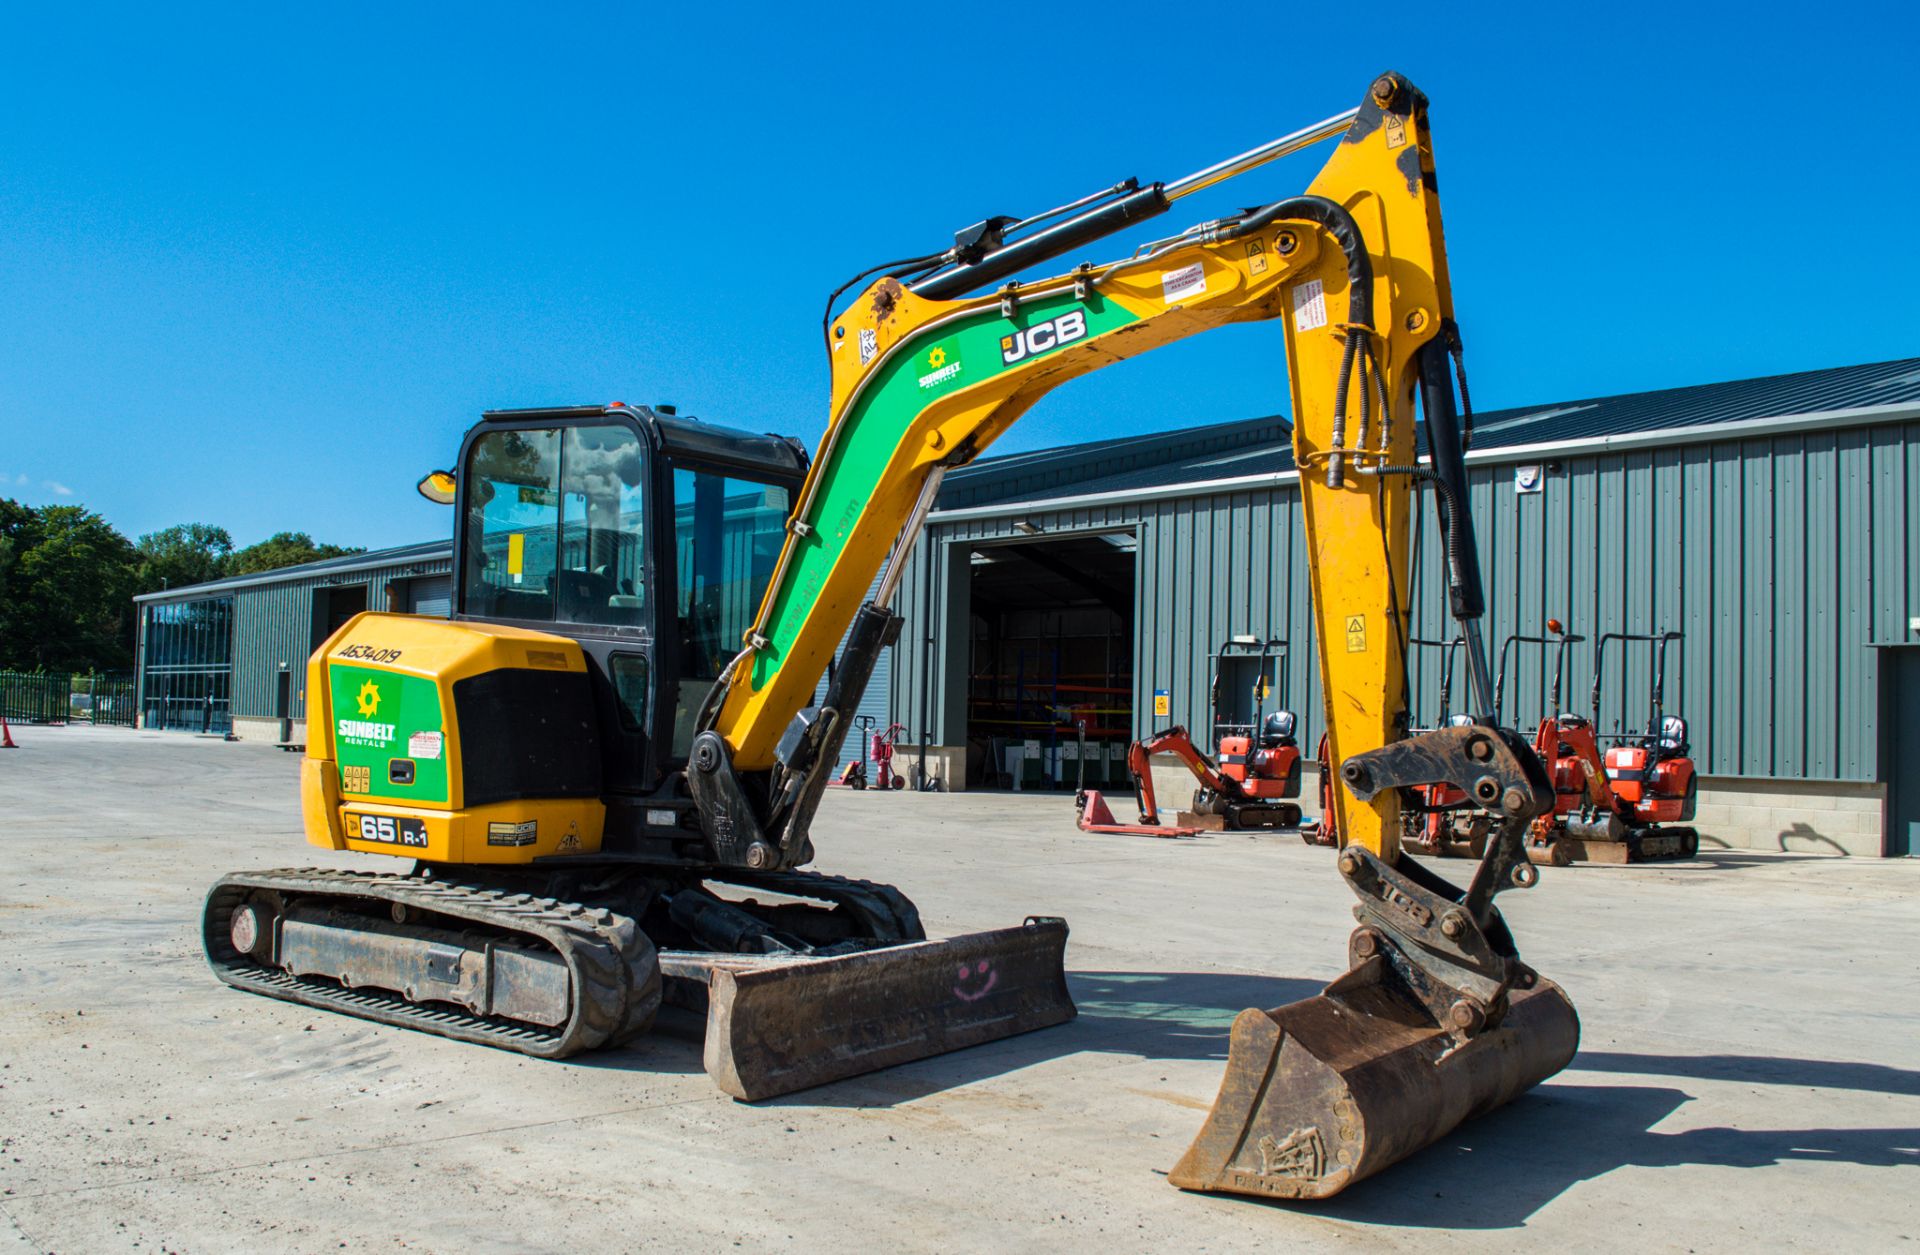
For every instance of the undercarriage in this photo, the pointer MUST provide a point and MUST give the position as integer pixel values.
(804, 978)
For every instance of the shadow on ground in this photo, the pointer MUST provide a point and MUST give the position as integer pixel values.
(1492, 1173)
(1497, 1171)
(1873, 1078)
(1150, 1015)
(1731, 859)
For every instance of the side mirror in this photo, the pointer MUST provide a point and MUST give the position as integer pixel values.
(438, 487)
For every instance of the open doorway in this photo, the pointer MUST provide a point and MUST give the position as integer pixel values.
(1051, 650)
(333, 606)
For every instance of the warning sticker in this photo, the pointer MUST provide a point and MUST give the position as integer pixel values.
(423, 745)
(1309, 306)
(1256, 257)
(1356, 633)
(513, 834)
(1183, 284)
(1162, 703)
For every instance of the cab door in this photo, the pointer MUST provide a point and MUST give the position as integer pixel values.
(555, 531)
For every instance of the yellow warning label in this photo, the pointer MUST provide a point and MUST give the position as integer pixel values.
(1162, 704)
(1396, 131)
(1256, 258)
(1356, 633)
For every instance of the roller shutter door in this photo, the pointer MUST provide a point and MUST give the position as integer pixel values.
(431, 596)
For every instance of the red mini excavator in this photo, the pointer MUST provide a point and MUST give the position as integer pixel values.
(1256, 782)
(1611, 807)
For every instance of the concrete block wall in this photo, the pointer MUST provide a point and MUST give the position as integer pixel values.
(1804, 817)
(946, 762)
(253, 728)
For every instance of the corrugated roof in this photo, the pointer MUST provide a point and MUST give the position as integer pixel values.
(402, 555)
(1260, 446)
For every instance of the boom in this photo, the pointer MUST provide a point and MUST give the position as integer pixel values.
(1356, 272)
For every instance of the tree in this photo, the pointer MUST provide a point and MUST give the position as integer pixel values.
(186, 553)
(67, 580)
(280, 550)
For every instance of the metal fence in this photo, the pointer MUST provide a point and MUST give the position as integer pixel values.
(58, 697)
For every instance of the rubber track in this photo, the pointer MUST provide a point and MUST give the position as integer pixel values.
(615, 971)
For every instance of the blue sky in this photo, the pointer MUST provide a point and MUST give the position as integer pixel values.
(260, 266)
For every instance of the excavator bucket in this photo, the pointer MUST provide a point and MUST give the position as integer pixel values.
(776, 1025)
(1325, 1091)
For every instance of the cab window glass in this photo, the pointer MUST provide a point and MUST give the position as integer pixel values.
(727, 537)
(556, 526)
(513, 521)
(629, 675)
(603, 564)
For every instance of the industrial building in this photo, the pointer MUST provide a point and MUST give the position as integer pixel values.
(1774, 523)
(210, 656)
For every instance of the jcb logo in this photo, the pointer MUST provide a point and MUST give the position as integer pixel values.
(1036, 340)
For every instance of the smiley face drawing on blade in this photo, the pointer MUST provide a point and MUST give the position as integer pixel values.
(976, 981)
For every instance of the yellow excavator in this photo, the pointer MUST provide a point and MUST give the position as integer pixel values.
(606, 764)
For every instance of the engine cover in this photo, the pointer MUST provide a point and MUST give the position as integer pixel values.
(450, 742)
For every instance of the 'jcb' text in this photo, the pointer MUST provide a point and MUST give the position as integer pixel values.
(1038, 339)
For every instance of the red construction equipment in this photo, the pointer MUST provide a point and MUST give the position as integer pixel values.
(880, 745)
(1611, 806)
(1257, 779)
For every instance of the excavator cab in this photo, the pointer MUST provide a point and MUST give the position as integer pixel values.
(647, 540)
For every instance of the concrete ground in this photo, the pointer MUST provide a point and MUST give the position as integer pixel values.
(1749, 1078)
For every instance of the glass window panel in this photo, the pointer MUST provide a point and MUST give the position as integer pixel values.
(512, 524)
(556, 526)
(603, 558)
(727, 537)
(629, 672)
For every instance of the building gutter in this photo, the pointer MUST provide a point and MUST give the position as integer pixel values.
(293, 575)
(1703, 433)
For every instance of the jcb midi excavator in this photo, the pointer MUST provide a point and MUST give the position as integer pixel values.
(606, 764)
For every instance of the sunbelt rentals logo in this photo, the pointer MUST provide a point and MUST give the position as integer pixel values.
(939, 369)
(364, 731)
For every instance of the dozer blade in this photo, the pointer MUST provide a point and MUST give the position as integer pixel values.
(775, 1025)
(1325, 1091)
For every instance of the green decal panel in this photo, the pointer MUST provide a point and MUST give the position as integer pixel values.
(914, 376)
(380, 719)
